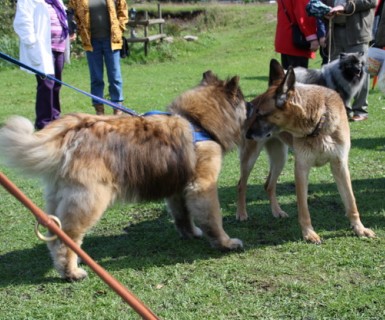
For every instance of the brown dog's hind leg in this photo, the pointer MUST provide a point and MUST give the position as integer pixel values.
(202, 197)
(182, 218)
(78, 210)
(342, 177)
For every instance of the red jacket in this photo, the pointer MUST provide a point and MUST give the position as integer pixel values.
(283, 35)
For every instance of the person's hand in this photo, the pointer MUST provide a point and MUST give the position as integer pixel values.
(322, 42)
(73, 37)
(314, 45)
(34, 55)
(336, 11)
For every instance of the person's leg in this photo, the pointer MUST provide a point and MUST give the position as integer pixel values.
(112, 60)
(294, 61)
(96, 67)
(339, 42)
(59, 65)
(44, 102)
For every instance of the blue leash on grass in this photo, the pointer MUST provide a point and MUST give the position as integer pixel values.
(43, 75)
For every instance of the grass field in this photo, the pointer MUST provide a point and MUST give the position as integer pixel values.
(277, 276)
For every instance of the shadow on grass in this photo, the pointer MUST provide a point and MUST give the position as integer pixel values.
(373, 144)
(325, 206)
(155, 242)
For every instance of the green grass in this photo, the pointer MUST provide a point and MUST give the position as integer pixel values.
(277, 276)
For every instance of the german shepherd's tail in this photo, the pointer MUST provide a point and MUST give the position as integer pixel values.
(33, 153)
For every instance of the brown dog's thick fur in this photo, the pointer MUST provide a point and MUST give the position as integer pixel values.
(313, 121)
(87, 162)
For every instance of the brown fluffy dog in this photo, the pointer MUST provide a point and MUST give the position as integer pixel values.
(313, 121)
(87, 162)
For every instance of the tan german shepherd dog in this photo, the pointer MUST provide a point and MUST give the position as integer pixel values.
(313, 121)
(87, 162)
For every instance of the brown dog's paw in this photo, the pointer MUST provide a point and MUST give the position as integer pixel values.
(229, 244)
(187, 233)
(75, 275)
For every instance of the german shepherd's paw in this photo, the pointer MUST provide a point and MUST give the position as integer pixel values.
(311, 236)
(279, 213)
(75, 275)
(241, 215)
(361, 231)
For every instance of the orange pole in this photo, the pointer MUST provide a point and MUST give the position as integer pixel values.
(49, 223)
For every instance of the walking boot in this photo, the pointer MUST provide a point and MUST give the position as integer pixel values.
(99, 108)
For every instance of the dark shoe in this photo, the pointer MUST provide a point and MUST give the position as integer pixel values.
(358, 117)
(99, 108)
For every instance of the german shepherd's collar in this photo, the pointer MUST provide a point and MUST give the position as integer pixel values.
(318, 127)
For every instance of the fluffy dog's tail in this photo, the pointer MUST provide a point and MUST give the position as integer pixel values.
(21, 148)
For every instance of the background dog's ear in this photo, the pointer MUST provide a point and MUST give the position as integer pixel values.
(286, 85)
(276, 71)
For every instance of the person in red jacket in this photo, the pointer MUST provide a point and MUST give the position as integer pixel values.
(294, 11)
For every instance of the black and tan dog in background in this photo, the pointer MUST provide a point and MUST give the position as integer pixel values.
(312, 120)
(87, 162)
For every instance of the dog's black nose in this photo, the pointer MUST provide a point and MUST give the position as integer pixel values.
(249, 135)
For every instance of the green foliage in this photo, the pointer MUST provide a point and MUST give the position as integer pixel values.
(277, 276)
(8, 39)
(7, 13)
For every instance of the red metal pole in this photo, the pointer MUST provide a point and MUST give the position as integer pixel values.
(49, 223)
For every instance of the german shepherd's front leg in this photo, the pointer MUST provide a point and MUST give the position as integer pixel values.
(277, 151)
(301, 184)
(202, 197)
(248, 153)
(341, 175)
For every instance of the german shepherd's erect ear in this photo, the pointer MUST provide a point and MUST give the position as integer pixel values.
(276, 72)
(285, 87)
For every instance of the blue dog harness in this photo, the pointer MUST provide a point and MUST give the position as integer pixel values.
(199, 134)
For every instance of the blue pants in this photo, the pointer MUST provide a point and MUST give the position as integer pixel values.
(47, 106)
(102, 53)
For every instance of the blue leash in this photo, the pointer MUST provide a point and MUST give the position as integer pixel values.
(43, 75)
(198, 133)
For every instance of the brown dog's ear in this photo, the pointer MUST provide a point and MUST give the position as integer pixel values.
(276, 71)
(233, 84)
(208, 77)
(232, 87)
(286, 85)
